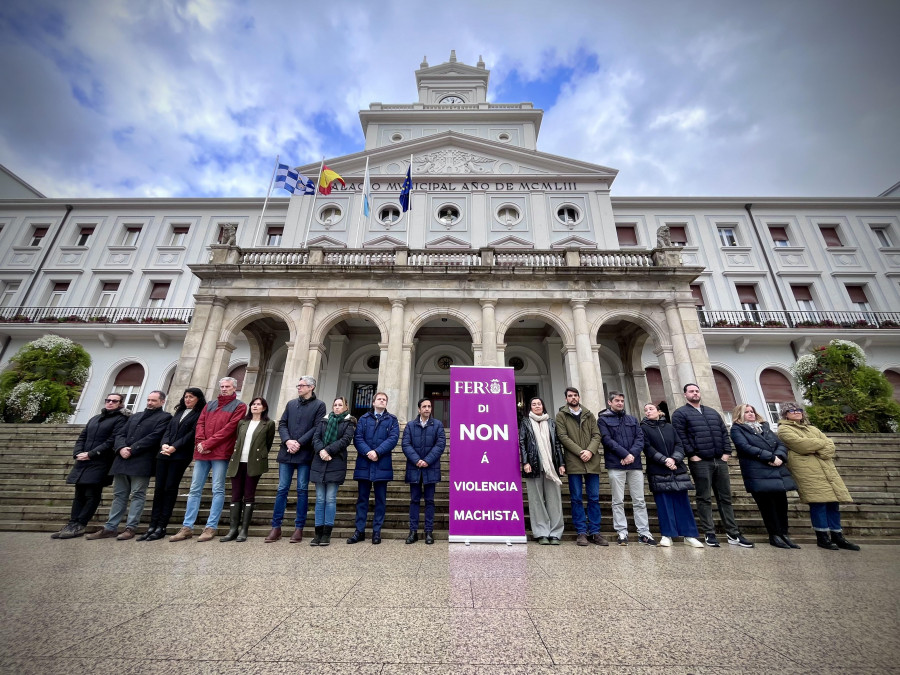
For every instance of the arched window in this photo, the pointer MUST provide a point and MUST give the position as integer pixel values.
(776, 390)
(238, 373)
(128, 383)
(726, 392)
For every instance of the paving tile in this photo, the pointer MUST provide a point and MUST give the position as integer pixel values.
(290, 591)
(377, 591)
(530, 592)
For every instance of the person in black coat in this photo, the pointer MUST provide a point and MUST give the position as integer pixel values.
(93, 456)
(669, 479)
(423, 444)
(763, 460)
(136, 447)
(333, 435)
(543, 466)
(172, 461)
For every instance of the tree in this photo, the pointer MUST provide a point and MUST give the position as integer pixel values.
(44, 381)
(846, 394)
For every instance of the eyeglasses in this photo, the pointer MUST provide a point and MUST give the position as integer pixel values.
(302, 385)
(790, 410)
(113, 400)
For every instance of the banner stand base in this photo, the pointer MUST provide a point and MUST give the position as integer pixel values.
(486, 539)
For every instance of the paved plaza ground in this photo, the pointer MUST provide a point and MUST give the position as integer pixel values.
(136, 607)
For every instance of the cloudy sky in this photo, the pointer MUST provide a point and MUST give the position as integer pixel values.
(194, 98)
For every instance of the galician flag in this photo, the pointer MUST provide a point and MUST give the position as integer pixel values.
(367, 193)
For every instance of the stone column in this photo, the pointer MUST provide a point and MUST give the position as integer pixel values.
(394, 364)
(250, 381)
(200, 343)
(488, 333)
(684, 367)
(314, 360)
(219, 366)
(573, 377)
(556, 370)
(328, 387)
(669, 372)
(295, 363)
(642, 393)
(382, 366)
(401, 410)
(587, 369)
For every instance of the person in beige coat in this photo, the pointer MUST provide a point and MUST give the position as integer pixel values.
(811, 463)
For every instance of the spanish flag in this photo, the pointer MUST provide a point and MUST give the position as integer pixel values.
(326, 179)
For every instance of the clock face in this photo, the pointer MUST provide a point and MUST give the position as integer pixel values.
(452, 99)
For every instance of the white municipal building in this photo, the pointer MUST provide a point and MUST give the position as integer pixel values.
(509, 256)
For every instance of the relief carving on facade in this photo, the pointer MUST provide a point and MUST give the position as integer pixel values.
(453, 162)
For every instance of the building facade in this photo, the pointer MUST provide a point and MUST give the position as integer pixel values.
(508, 256)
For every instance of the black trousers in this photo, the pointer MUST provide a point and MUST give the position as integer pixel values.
(165, 493)
(85, 503)
(773, 509)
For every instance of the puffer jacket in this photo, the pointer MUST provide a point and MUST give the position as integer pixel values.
(334, 470)
(661, 442)
(621, 435)
(529, 453)
(142, 433)
(97, 440)
(378, 435)
(577, 433)
(701, 431)
(811, 463)
(217, 427)
(298, 423)
(423, 443)
(755, 451)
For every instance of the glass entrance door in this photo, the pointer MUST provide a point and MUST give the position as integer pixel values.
(439, 394)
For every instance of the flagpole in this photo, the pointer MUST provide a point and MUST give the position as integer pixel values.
(363, 203)
(268, 192)
(313, 207)
(409, 210)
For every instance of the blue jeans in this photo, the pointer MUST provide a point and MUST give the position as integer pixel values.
(202, 468)
(416, 490)
(326, 503)
(285, 475)
(123, 488)
(590, 525)
(362, 504)
(825, 516)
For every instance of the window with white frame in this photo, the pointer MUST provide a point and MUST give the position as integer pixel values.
(882, 236)
(749, 302)
(627, 235)
(8, 292)
(831, 235)
(128, 383)
(85, 232)
(858, 298)
(58, 290)
(779, 235)
(389, 215)
(568, 214)
(38, 232)
(178, 235)
(803, 297)
(131, 235)
(159, 291)
(678, 233)
(508, 215)
(274, 235)
(727, 236)
(330, 215)
(108, 292)
(448, 214)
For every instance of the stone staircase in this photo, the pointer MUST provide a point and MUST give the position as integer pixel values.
(35, 460)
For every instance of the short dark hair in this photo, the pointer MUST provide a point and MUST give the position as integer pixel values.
(572, 389)
(613, 394)
(689, 384)
(422, 400)
(162, 394)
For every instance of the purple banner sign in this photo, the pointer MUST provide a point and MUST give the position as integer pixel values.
(485, 478)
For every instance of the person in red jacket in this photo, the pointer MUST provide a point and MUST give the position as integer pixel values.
(215, 437)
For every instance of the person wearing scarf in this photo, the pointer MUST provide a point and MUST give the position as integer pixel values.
(542, 465)
(333, 434)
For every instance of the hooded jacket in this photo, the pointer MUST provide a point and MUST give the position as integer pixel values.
(217, 427)
(811, 463)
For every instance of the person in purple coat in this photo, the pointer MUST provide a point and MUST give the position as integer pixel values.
(423, 445)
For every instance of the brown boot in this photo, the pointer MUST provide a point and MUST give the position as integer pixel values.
(297, 537)
(182, 534)
(208, 533)
(274, 535)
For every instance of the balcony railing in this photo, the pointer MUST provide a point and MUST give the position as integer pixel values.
(714, 318)
(97, 315)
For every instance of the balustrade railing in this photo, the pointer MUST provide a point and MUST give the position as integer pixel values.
(274, 256)
(529, 259)
(97, 315)
(714, 318)
(431, 258)
(616, 259)
(359, 257)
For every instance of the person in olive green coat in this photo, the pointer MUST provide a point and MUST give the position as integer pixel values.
(249, 461)
(811, 463)
(577, 431)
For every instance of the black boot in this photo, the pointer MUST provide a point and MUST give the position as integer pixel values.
(413, 537)
(788, 541)
(326, 535)
(777, 541)
(318, 538)
(429, 537)
(356, 537)
(234, 523)
(158, 533)
(838, 539)
(824, 541)
(246, 517)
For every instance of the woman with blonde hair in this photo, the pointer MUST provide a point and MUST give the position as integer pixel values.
(811, 462)
(763, 461)
(333, 434)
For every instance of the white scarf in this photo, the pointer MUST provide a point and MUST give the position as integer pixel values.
(542, 433)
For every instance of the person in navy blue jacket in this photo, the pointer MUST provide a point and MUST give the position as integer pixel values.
(377, 433)
(423, 445)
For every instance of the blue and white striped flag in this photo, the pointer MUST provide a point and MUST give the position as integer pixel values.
(293, 182)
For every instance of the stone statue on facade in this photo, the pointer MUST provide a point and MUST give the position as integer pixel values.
(663, 237)
(229, 234)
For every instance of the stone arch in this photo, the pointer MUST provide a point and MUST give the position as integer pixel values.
(654, 330)
(783, 370)
(530, 354)
(165, 382)
(116, 367)
(737, 386)
(532, 313)
(240, 321)
(415, 323)
(326, 323)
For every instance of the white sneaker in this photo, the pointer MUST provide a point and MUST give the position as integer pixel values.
(691, 541)
(665, 541)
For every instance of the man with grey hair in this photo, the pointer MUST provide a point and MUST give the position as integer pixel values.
(136, 446)
(214, 441)
(296, 428)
